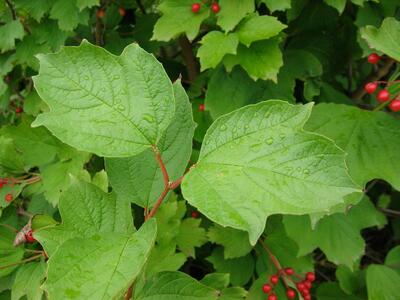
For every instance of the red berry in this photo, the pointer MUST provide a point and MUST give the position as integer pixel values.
(267, 288)
(196, 7)
(307, 297)
(101, 13)
(373, 58)
(9, 197)
(202, 107)
(274, 279)
(308, 284)
(395, 105)
(195, 214)
(291, 294)
(305, 292)
(29, 237)
(310, 276)
(289, 271)
(272, 297)
(1, 185)
(121, 11)
(215, 7)
(4, 180)
(370, 87)
(383, 96)
(300, 286)
(19, 110)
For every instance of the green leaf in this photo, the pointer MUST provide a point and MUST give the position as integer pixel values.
(385, 39)
(235, 242)
(28, 280)
(277, 5)
(175, 286)
(338, 235)
(217, 281)
(214, 46)
(85, 211)
(240, 269)
(339, 5)
(100, 267)
(86, 3)
(36, 9)
(66, 13)
(122, 104)
(8, 253)
(393, 258)
(232, 12)
(382, 283)
(190, 235)
(175, 147)
(233, 293)
(256, 28)
(349, 281)
(57, 177)
(177, 18)
(267, 55)
(260, 153)
(332, 291)
(10, 32)
(10, 160)
(361, 134)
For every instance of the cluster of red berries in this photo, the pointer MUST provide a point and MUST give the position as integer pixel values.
(383, 95)
(8, 197)
(303, 286)
(195, 214)
(214, 7)
(202, 107)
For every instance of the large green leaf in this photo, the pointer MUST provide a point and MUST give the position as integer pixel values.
(277, 5)
(139, 178)
(232, 11)
(386, 38)
(177, 17)
(122, 104)
(214, 46)
(369, 138)
(100, 267)
(175, 286)
(266, 54)
(338, 235)
(8, 253)
(190, 235)
(258, 161)
(28, 280)
(86, 210)
(382, 283)
(255, 28)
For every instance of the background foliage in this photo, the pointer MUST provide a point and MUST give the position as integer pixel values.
(314, 187)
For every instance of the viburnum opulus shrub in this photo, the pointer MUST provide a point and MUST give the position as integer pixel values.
(199, 149)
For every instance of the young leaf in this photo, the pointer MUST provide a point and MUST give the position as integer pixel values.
(277, 5)
(123, 104)
(100, 267)
(267, 55)
(332, 291)
(175, 286)
(190, 235)
(386, 38)
(258, 161)
(177, 17)
(66, 13)
(256, 28)
(28, 280)
(339, 5)
(175, 147)
(361, 134)
(214, 46)
(232, 11)
(10, 32)
(85, 211)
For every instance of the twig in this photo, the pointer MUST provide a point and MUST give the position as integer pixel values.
(381, 72)
(389, 211)
(162, 166)
(22, 212)
(11, 7)
(129, 292)
(141, 7)
(98, 31)
(188, 57)
(21, 261)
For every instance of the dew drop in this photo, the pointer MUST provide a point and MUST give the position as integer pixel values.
(120, 107)
(234, 129)
(306, 171)
(116, 76)
(282, 136)
(86, 77)
(223, 127)
(148, 118)
(255, 147)
(269, 141)
(246, 127)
